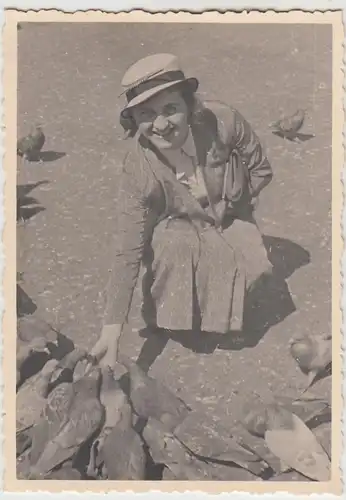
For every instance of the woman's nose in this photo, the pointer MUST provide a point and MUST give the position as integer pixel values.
(160, 123)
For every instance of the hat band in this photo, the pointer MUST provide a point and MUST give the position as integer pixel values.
(170, 76)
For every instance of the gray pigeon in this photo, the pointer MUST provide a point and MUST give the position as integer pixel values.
(26, 349)
(289, 126)
(122, 449)
(29, 147)
(84, 415)
(312, 353)
(151, 398)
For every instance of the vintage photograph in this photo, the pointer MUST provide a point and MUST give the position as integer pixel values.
(174, 251)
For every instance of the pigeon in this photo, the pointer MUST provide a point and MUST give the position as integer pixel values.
(30, 327)
(167, 449)
(29, 147)
(313, 355)
(181, 464)
(26, 349)
(254, 416)
(293, 442)
(83, 417)
(30, 400)
(201, 437)
(122, 451)
(57, 405)
(309, 409)
(66, 366)
(151, 398)
(112, 398)
(289, 126)
(254, 421)
(258, 446)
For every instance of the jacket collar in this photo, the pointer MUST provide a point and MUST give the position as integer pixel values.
(189, 147)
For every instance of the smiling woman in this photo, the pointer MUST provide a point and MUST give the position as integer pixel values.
(186, 205)
(164, 120)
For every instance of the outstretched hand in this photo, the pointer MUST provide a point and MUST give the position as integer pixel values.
(105, 351)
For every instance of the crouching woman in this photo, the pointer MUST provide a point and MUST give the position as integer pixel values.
(188, 188)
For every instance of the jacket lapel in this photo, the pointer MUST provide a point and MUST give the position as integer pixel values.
(179, 201)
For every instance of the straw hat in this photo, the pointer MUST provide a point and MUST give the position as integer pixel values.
(151, 75)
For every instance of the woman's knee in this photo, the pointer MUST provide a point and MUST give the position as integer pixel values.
(177, 239)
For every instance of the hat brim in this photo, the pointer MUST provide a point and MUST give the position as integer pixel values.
(147, 94)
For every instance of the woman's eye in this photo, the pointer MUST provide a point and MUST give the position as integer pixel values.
(146, 114)
(170, 109)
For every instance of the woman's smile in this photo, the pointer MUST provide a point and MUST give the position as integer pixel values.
(163, 133)
(163, 120)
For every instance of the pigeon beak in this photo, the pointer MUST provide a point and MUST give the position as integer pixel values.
(46, 349)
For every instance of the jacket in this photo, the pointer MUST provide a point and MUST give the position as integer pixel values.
(149, 192)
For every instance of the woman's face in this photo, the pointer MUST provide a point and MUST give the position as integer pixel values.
(163, 119)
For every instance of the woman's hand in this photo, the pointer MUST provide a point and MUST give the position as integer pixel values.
(106, 348)
(254, 202)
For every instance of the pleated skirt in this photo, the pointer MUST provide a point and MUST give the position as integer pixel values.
(197, 279)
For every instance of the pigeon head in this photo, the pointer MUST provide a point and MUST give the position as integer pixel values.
(302, 350)
(90, 382)
(301, 112)
(278, 418)
(45, 376)
(39, 344)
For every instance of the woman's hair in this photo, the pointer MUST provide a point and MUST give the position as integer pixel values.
(197, 113)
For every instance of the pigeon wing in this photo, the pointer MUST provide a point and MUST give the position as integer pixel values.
(300, 449)
(83, 422)
(81, 425)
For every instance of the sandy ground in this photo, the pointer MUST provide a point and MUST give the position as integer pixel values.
(69, 79)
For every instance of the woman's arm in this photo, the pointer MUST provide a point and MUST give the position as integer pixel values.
(134, 230)
(129, 241)
(248, 144)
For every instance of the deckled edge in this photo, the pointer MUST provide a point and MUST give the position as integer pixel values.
(222, 15)
(202, 15)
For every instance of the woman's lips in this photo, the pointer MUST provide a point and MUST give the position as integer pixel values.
(166, 134)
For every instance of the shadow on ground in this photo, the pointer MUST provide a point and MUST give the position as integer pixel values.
(25, 305)
(300, 137)
(268, 304)
(28, 206)
(47, 156)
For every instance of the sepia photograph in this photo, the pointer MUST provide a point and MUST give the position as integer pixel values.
(174, 258)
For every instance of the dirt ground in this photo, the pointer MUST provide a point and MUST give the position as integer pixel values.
(69, 80)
